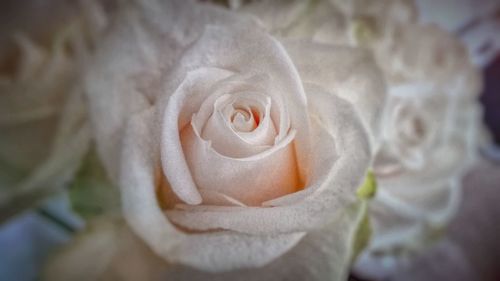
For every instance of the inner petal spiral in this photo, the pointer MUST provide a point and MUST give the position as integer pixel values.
(243, 120)
(240, 125)
(235, 153)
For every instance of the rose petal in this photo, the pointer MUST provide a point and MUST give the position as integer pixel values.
(113, 83)
(181, 105)
(251, 180)
(352, 74)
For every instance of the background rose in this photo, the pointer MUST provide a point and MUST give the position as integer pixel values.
(156, 88)
(431, 123)
(42, 118)
(431, 139)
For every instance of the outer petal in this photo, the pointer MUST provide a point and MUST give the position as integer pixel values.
(113, 85)
(350, 73)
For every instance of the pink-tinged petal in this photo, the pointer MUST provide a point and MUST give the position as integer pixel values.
(186, 100)
(251, 180)
(340, 158)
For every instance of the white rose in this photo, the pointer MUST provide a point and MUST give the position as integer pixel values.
(42, 117)
(232, 148)
(430, 140)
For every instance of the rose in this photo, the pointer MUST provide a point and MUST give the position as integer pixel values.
(42, 118)
(230, 147)
(430, 141)
(430, 124)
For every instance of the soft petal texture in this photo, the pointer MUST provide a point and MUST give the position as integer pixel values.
(260, 178)
(351, 74)
(319, 256)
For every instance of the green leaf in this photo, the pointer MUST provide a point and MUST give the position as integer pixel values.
(91, 193)
(364, 30)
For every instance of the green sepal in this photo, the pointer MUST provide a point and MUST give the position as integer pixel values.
(369, 187)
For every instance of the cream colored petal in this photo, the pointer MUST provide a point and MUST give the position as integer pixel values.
(339, 162)
(351, 74)
(232, 128)
(251, 180)
(225, 251)
(185, 101)
(125, 57)
(323, 254)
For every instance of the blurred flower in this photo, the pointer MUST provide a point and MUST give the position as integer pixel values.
(42, 116)
(431, 134)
